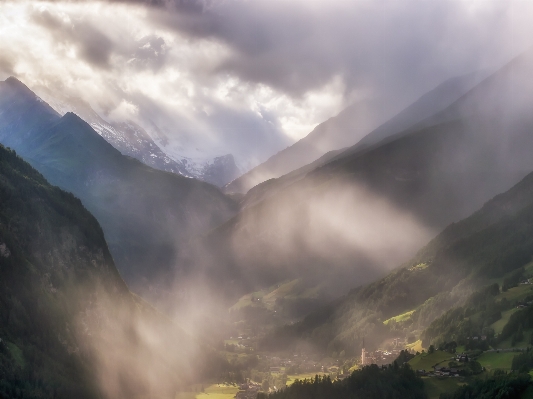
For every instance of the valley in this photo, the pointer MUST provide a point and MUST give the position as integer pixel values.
(239, 200)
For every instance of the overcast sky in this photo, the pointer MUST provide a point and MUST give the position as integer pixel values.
(252, 76)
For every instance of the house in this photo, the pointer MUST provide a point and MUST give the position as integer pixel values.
(463, 358)
(249, 393)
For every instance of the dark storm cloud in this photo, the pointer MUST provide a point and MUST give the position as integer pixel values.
(94, 46)
(398, 48)
(402, 48)
(286, 57)
(6, 66)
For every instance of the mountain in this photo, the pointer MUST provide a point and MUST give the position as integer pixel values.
(489, 246)
(347, 128)
(361, 214)
(147, 215)
(70, 328)
(132, 140)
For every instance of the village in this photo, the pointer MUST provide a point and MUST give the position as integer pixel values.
(275, 372)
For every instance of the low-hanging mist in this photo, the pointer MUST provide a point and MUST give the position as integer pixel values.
(368, 209)
(332, 235)
(76, 329)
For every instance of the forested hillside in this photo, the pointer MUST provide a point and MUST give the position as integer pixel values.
(368, 383)
(69, 327)
(147, 215)
(491, 244)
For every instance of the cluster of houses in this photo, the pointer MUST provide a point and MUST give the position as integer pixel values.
(248, 390)
(482, 338)
(379, 357)
(305, 364)
(521, 305)
(441, 371)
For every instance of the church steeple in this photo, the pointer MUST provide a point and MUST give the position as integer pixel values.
(363, 354)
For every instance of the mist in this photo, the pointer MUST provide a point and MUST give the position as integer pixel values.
(209, 78)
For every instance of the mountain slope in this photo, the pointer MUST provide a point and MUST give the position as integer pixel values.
(132, 140)
(147, 215)
(347, 128)
(358, 216)
(69, 325)
(490, 244)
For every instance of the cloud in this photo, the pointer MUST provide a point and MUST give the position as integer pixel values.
(151, 52)
(389, 47)
(6, 66)
(93, 45)
(281, 66)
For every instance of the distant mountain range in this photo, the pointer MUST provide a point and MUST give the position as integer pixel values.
(356, 216)
(147, 215)
(132, 140)
(351, 127)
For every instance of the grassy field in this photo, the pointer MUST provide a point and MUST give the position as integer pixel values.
(420, 266)
(400, 317)
(426, 361)
(215, 391)
(517, 293)
(289, 289)
(284, 289)
(529, 269)
(493, 360)
(498, 326)
(249, 300)
(522, 344)
(415, 346)
(435, 386)
(292, 378)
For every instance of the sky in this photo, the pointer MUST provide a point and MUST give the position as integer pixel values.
(249, 77)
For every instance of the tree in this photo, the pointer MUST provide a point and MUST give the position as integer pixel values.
(431, 349)
(475, 367)
(520, 334)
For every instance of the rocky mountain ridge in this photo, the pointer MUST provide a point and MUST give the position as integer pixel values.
(132, 140)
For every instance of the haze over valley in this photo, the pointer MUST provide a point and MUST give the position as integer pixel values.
(268, 199)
